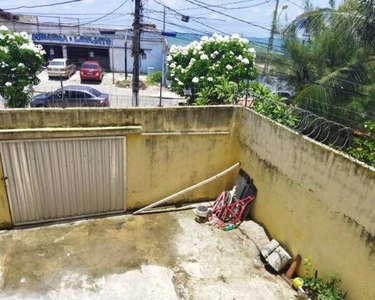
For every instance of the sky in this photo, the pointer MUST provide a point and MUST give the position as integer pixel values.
(254, 17)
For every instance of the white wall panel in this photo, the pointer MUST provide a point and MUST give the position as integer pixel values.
(61, 179)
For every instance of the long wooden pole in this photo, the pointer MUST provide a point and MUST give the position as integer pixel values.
(188, 189)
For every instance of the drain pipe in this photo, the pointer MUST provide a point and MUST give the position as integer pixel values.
(193, 187)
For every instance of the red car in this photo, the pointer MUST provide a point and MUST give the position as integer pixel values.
(91, 70)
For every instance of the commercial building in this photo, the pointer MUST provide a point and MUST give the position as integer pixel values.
(112, 47)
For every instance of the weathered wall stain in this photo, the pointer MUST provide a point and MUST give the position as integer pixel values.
(312, 199)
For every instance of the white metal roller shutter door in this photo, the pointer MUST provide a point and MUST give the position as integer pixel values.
(64, 178)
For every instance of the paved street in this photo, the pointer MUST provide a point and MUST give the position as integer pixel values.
(119, 97)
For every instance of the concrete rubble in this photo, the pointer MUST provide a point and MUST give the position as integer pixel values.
(155, 256)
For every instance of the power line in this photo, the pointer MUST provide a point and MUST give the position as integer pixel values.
(229, 16)
(110, 13)
(179, 14)
(325, 86)
(50, 24)
(191, 30)
(363, 115)
(220, 6)
(247, 6)
(43, 5)
(199, 22)
(65, 14)
(331, 105)
(297, 69)
(301, 7)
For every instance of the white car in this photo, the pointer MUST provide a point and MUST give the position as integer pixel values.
(60, 67)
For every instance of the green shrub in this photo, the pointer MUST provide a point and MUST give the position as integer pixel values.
(270, 105)
(21, 61)
(362, 146)
(319, 289)
(154, 78)
(218, 63)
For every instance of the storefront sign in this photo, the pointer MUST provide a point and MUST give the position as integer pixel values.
(63, 39)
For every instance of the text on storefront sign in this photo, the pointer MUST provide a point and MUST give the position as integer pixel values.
(56, 38)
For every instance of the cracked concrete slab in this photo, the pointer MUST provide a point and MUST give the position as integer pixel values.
(157, 256)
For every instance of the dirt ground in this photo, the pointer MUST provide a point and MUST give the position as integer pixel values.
(155, 256)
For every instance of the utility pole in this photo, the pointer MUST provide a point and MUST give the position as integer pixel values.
(163, 54)
(164, 19)
(270, 43)
(126, 60)
(136, 50)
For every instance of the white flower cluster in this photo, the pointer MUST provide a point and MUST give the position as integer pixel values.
(4, 65)
(179, 82)
(37, 49)
(22, 34)
(8, 36)
(4, 49)
(223, 59)
(214, 54)
(28, 89)
(204, 56)
(196, 46)
(252, 52)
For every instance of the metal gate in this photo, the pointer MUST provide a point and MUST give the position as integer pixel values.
(64, 178)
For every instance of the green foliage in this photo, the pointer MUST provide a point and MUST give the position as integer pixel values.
(332, 68)
(222, 93)
(363, 146)
(226, 91)
(218, 62)
(370, 127)
(270, 105)
(319, 289)
(154, 78)
(20, 61)
(205, 96)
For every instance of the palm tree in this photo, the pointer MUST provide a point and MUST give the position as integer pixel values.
(333, 69)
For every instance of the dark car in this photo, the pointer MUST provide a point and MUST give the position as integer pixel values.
(72, 96)
(91, 70)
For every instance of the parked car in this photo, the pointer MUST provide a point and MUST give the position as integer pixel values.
(72, 96)
(91, 70)
(60, 67)
(284, 94)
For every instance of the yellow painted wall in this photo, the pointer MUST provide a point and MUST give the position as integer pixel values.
(5, 220)
(158, 166)
(313, 200)
(175, 148)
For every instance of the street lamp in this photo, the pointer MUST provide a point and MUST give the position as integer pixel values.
(285, 6)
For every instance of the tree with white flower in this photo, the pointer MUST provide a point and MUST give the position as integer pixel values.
(20, 61)
(209, 62)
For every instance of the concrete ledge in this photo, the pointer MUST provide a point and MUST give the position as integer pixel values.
(188, 133)
(67, 132)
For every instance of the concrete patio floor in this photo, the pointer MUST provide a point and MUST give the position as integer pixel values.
(156, 256)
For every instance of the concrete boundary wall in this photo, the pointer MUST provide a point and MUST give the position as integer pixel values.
(314, 200)
(168, 149)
